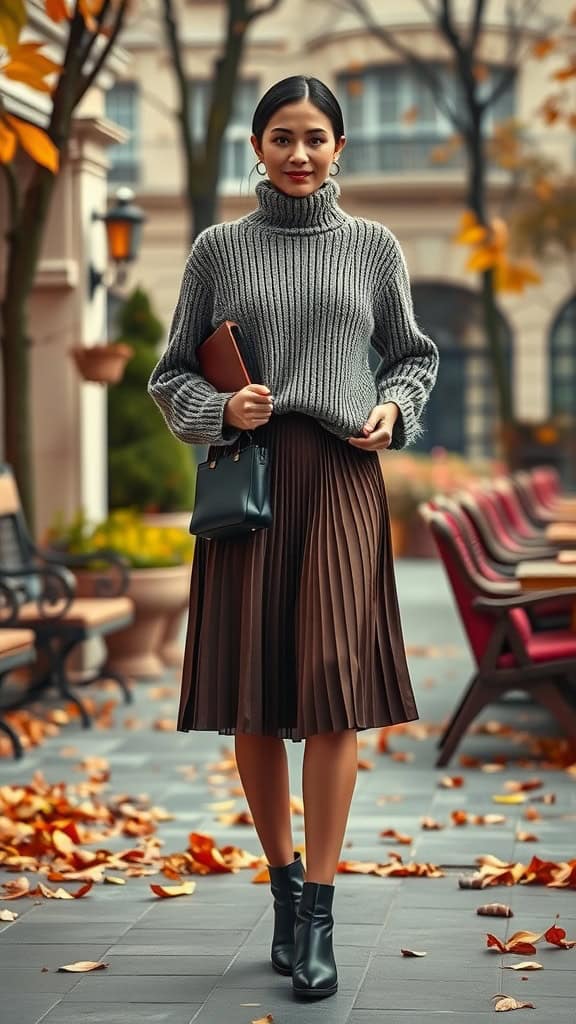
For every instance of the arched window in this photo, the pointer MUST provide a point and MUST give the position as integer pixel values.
(563, 362)
(461, 415)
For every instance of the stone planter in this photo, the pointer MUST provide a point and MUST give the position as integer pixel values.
(160, 597)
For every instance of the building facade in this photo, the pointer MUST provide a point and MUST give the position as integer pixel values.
(388, 174)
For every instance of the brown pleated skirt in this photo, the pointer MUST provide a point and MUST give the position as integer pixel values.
(295, 630)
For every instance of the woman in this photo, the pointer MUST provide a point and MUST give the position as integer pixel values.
(294, 632)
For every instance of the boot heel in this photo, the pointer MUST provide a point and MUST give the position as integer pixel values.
(286, 884)
(314, 975)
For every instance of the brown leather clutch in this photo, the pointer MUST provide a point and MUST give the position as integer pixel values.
(220, 358)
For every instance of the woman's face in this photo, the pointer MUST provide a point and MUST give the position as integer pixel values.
(298, 147)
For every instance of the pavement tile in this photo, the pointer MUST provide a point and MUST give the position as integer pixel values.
(45, 955)
(28, 934)
(202, 966)
(118, 1013)
(28, 1009)
(34, 981)
(464, 996)
(242, 1005)
(184, 939)
(104, 988)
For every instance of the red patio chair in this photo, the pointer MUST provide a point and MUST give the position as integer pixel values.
(508, 654)
(487, 517)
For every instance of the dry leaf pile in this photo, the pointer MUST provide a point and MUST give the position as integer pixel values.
(45, 829)
(493, 871)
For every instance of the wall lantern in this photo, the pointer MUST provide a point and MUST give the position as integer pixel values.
(123, 223)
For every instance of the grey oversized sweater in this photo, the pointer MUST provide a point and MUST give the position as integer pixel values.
(310, 287)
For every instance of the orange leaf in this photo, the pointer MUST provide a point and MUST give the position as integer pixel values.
(36, 143)
(542, 47)
(430, 824)
(81, 966)
(261, 876)
(8, 143)
(459, 817)
(526, 837)
(399, 837)
(451, 781)
(185, 889)
(268, 1019)
(56, 10)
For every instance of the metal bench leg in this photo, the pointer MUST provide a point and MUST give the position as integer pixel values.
(13, 737)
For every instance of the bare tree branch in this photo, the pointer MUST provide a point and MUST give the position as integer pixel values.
(13, 196)
(477, 18)
(93, 36)
(423, 69)
(116, 27)
(517, 19)
(259, 11)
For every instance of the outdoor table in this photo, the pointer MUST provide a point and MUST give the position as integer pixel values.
(548, 574)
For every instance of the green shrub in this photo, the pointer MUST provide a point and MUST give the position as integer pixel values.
(148, 469)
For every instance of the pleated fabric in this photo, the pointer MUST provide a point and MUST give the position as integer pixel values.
(296, 630)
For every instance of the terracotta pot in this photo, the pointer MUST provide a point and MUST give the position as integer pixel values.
(102, 364)
(159, 595)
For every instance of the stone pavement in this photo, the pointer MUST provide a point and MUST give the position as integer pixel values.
(204, 958)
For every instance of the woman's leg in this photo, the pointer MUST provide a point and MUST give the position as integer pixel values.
(329, 777)
(263, 768)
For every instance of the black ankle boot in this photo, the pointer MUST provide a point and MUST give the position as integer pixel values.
(286, 884)
(314, 975)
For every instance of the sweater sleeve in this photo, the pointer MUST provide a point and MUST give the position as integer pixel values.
(192, 408)
(409, 359)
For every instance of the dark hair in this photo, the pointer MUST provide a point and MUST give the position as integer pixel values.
(292, 90)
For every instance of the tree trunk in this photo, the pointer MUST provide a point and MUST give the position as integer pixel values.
(24, 243)
(204, 209)
(491, 319)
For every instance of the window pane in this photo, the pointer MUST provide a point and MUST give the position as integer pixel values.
(122, 107)
(563, 361)
(237, 156)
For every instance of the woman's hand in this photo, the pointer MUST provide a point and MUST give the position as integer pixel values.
(378, 428)
(249, 408)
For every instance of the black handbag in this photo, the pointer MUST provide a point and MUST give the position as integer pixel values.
(232, 491)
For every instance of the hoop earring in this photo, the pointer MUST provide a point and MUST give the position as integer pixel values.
(335, 173)
(258, 171)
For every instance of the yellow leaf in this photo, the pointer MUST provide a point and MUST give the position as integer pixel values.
(509, 798)
(12, 21)
(114, 880)
(36, 143)
(8, 144)
(8, 915)
(56, 10)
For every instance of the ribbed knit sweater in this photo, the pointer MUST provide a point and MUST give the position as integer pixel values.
(310, 287)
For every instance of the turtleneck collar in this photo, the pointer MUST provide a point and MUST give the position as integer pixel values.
(318, 211)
